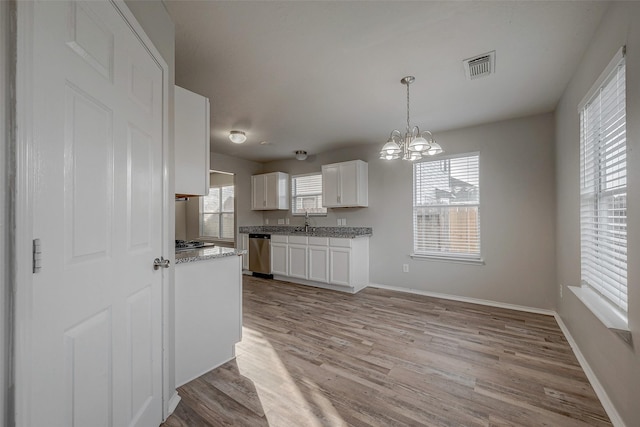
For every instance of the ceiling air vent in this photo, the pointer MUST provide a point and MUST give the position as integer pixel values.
(480, 66)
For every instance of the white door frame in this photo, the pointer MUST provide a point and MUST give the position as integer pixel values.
(25, 187)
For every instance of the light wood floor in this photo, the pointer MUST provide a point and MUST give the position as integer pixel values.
(312, 357)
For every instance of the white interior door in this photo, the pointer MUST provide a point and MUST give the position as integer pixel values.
(96, 304)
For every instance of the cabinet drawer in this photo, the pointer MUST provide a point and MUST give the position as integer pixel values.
(339, 243)
(276, 238)
(319, 241)
(298, 240)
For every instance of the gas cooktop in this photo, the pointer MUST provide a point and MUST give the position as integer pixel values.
(183, 245)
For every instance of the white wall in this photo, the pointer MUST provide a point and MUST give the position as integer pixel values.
(155, 20)
(616, 364)
(517, 214)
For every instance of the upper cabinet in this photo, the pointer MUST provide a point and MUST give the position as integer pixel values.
(345, 185)
(191, 143)
(270, 191)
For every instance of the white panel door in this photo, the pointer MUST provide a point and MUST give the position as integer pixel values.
(279, 259)
(319, 263)
(96, 341)
(298, 261)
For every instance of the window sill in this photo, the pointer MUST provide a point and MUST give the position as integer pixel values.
(611, 318)
(459, 260)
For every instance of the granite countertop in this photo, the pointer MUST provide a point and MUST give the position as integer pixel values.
(291, 230)
(203, 254)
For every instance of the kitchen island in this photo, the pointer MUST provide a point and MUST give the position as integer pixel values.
(208, 309)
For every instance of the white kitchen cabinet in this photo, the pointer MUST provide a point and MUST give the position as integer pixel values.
(192, 157)
(208, 315)
(334, 263)
(340, 266)
(318, 263)
(279, 258)
(270, 191)
(297, 261)
(345, 184)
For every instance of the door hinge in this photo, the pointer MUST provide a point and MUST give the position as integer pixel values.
(37, 256)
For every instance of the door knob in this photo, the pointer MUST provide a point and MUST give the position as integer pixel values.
(160, 262)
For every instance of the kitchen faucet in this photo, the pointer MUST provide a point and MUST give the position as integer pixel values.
(306, 221)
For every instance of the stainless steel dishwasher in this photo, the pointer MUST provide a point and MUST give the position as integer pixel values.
(260, 255)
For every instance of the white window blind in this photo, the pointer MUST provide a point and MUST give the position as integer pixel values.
(216, 213)
(603, 189)
(446, 207)
(306, 195)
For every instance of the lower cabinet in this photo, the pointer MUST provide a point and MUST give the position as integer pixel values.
(318, 263)
(298, 261)
(279, 256)
(342, 262)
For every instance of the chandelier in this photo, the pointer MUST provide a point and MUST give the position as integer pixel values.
(413, 145)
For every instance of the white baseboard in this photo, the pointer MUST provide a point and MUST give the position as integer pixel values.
(467, 299)
(613, 414)
(173, 404)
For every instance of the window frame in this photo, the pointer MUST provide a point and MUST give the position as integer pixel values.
(458, 257)
(220, 214)
(294, 196)
(591, 192)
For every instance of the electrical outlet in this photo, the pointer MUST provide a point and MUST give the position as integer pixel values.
(286, 221)
(280, 221)
(344, 221)
(405, 268)
(266, 221)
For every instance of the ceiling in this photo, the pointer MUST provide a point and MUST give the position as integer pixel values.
(318, 76)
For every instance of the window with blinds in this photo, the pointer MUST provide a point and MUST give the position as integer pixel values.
(306, 195)
(603, 187)
(446, 207)
(216, 213)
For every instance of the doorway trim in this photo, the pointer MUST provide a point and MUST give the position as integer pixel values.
(25, 180)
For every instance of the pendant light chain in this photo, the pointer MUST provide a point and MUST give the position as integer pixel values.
(408, 107)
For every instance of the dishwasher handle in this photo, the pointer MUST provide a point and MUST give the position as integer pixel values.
(259, 236)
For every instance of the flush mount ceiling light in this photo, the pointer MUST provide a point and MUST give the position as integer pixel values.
(237, 136)
(301, 155)
(413, 145)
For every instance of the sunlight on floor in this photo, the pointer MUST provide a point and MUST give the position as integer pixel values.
(278, 392)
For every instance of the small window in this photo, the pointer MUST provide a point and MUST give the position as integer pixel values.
(216, 213)
(603, 187)
(306, 195)
(446, 207)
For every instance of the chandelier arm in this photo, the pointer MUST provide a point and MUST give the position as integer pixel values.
(395, 134)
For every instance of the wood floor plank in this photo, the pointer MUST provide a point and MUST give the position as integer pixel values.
(314, 357)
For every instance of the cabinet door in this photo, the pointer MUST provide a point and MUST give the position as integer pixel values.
(279, 259)
(258, 199)
(319, 263)
(271, 191)
(339, 266)
(330, 185)
(298, 261)
(348, 184)
(191, 119)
